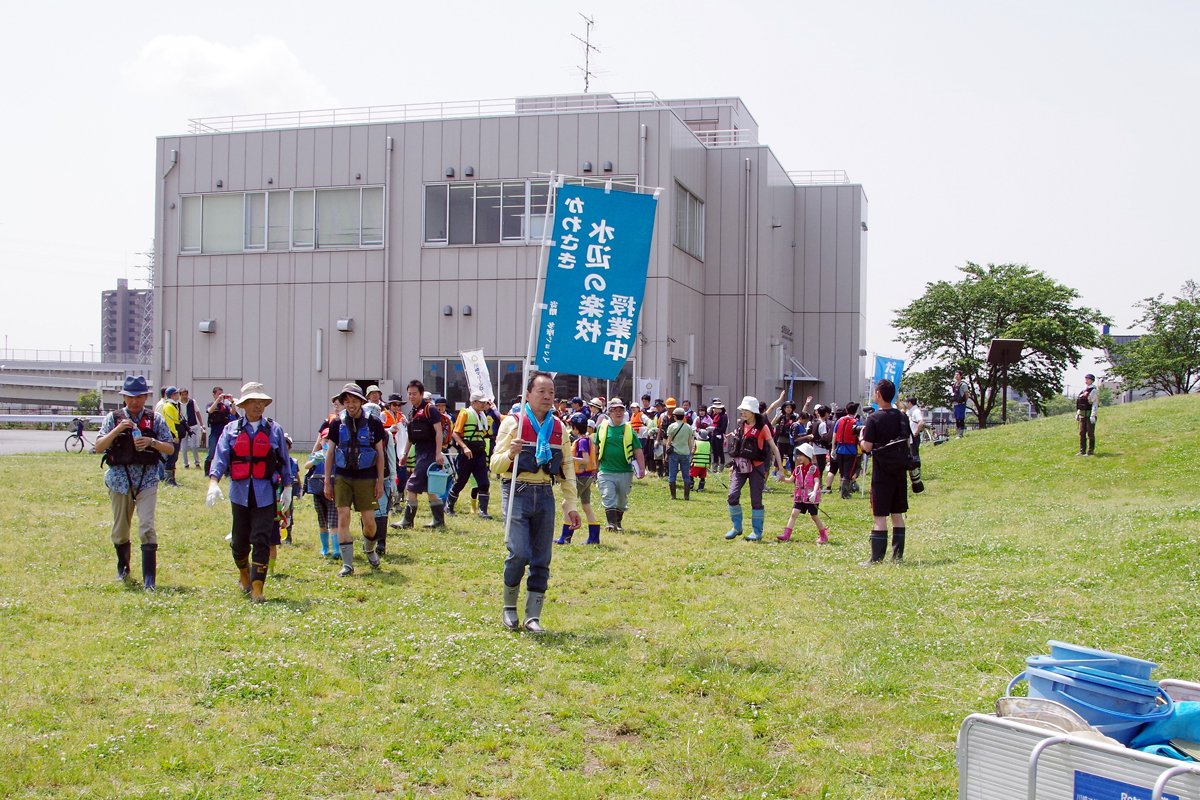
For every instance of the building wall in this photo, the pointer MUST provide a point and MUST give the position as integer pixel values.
(121, 315)
(803, 246)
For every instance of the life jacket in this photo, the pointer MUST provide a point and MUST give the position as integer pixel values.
(748, 445)
(584, 448)
(527, 460)
(411, 461)
(637, 420)
(957, 393)
(626, 439)
(1084, 402)
(420, 427)
(703, 455)
(122, 453)
(844, 432)
(356, 450)
(253, 456)
(476, 427)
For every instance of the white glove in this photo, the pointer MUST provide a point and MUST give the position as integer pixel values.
(214, 494)
(285, 499)
(1093, 418)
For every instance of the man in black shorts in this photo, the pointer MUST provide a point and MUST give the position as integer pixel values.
(886, 437)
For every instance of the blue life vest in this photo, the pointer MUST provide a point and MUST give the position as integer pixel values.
(356, 450)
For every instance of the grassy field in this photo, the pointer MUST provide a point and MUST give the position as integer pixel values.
(681, 665)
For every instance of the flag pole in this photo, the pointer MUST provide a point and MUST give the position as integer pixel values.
(534, 317)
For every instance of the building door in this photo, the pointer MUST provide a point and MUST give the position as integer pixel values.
(678, 380)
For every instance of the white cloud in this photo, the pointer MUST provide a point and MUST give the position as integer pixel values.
(209, 78)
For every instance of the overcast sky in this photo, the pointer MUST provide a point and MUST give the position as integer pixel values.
(1058, 134)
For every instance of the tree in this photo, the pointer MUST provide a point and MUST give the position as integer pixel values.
(930, 386)
(954, 323)
(1057, 405)
(89, 402)
(1167, 357)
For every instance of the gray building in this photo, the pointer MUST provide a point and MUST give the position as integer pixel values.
(310, 249)
(122, 314)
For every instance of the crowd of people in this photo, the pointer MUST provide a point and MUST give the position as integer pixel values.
(376, 459)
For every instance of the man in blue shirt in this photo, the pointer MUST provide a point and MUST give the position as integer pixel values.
(133, 440)
(254, 452)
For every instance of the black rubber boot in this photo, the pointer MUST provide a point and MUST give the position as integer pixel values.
(122, 562)
(620, 520)
(483, 504)
(451, 499)
(897, 544)
(700, 486)
(687, 490)
(610, 514)
(439, 516)
(673, 497)
(149, 566)
(846, 490)
(879, 541)
(258, 579)
(410, 514)
(381, 524)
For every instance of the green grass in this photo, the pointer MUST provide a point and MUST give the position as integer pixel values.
(681, 665)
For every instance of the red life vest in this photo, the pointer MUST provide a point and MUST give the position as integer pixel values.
(527, 460)
(253, 456)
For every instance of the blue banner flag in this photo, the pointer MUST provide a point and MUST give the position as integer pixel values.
(891, 369)
(595, 281)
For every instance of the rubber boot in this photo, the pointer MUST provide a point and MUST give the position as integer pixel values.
(533, 611)
(565, 538)
(324, 543)
(347, 551)
(672, 485)
(258, 577)
(369, 546)
(122, 561)
(610, 514)
(687, 490)
(244, 579)
(482, 501)
(823, 535)
(410, 514)
(897, 544)
(593, 533)
(700, 486)
(381, 524)
(475, 501)
(149, 566)
(451, 499)
(757, 517)
(787, 534)
(735, 516)
(439, 516)
(620, 520)
(879, 541)
(508, 615)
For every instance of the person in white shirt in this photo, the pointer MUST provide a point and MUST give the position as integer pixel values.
(916, 421)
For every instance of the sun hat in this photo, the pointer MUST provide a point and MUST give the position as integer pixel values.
(716, 403)
(172, 390)
(596, 402)
(749, 403)
(679, 412)
(374, 388)
(395, 398)
(616, 403)
(135, 386)
(352, 389)
(253, 391)
(807, 451)
(478, 397)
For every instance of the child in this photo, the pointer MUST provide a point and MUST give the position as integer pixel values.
(315, 478)
(701, 455)
(807, 478)
(584, 454)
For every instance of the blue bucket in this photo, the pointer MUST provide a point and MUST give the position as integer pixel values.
(1109, 662)
(1113, 704)
(439, 480)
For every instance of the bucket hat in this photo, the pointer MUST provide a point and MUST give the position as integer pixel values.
(597, 403)
(395, 398)
(807, 451)
(351, 389)
(749, 403)
(253, 391)
(135, 386)
(172, 390)
(373, 388)
(615, 403)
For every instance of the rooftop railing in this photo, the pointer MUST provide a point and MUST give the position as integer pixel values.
(818, 177)
(730, 138)
(72, 356)
(410, 112)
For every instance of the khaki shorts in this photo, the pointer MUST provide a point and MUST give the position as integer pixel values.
(583, 488)
(360, 493)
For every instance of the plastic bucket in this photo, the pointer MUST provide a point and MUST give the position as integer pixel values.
(439, 480)
(1115, 663)
(1115, 707)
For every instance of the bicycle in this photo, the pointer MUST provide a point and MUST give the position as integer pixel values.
(75, 443)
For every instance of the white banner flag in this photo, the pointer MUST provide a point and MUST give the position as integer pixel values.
(478, 379)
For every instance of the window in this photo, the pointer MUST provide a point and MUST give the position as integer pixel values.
(495, 212)
(689, 223)
(678, 379)
(281, 220)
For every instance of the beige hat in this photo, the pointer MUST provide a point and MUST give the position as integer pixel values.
(253, 391)
(749, 403)
(616, 403)
(373, 388)
(351, 389)
(478, 397)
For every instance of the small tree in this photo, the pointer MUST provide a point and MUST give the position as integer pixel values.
(954, 323)
(1167, 357)
(1058, 405)
(89, 402)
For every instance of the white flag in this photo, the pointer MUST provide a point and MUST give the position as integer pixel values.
(478, 379)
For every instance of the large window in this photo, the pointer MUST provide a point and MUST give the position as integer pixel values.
(495, 212)
(689, 222)
(297, 219)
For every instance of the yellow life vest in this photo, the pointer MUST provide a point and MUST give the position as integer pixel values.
(627, 436)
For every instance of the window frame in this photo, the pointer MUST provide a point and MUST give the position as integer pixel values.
(684, 239)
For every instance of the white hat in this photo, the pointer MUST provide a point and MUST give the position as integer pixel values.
(807, 451)
(749, 403)
(615, 402)
(478, 397)
(253, 391)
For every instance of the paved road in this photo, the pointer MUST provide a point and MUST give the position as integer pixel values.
(29, 441)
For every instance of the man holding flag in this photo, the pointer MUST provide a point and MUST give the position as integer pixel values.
(530, 458)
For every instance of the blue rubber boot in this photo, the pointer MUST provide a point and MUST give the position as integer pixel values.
(324, 543)
(565, 538)
(757, 515)
(593, 533)
(735, 516)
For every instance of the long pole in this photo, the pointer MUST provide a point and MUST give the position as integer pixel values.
(535, 316)
(1004, 397)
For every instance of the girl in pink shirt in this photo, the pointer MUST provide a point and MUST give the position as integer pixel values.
(807, 478)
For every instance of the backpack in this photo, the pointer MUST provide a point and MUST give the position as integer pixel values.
(844, 432)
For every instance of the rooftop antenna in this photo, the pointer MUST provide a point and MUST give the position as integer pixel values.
(588, 47)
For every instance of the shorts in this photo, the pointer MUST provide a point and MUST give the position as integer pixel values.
(360, 492)
(806, 508)
(698, 472)
(583, 488)
(960, 412)
(418, 479)
(889, 494)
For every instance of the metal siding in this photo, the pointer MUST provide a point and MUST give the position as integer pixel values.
(321, 266)
(251, 268)
(236, 169)
(185, 171)
(339, 267)
(812, 251)
(204, 164)
(469, 147)
(828, 257)
(468, 264)
(508, 152)
(547, 144)
(527, 145)
(601, 132)
(374, 167)
(322, 156)
(452, 147)
(488, 167)
(305, 144)
(220, 163)
(269, 268)
(845, 239)
(288, 159)
(628, 128)
(268, 162)
(429, 148)
(569, 151)
(347, 156)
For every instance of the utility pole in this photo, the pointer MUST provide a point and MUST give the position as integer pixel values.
(588, 47)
